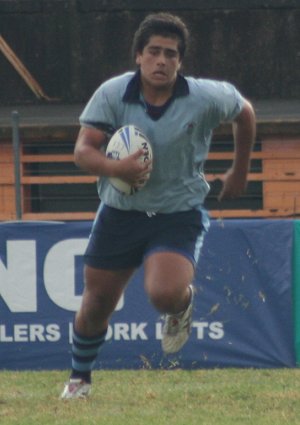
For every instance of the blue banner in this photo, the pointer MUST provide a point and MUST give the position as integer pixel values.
(243, 302)
(296, 287)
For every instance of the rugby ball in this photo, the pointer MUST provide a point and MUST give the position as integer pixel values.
(126, 141)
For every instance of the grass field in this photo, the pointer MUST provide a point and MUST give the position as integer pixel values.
(177, 397)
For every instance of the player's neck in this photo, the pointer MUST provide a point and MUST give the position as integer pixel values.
(156, 96)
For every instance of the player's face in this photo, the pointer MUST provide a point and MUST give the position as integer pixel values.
(159, 62)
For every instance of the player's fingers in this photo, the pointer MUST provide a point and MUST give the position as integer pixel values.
(221, 196)
(138, 153)
(147, 166)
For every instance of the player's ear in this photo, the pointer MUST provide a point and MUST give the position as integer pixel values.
(138, 59)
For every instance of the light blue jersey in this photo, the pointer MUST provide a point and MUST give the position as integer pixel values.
(180, 138)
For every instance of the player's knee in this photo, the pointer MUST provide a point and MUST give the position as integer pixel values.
(166, 299)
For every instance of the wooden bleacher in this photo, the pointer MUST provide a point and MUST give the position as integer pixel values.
(52, 188)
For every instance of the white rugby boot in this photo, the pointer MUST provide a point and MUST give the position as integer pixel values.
(176, 329)
(76, 388)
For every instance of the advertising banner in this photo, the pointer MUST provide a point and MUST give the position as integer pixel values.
(243, 303)
(296, 286)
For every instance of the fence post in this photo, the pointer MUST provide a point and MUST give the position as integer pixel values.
(16, 146)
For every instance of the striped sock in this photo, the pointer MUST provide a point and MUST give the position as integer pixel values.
(84, 354)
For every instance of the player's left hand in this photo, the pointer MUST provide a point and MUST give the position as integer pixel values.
(234, 185)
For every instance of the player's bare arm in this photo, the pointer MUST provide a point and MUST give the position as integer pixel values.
(89, 157)
(244, 130)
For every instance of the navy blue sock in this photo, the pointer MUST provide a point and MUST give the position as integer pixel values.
(84, 354)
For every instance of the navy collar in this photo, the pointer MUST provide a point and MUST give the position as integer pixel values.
(132, 93)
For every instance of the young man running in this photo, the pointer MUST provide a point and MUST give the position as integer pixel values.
(161, 226)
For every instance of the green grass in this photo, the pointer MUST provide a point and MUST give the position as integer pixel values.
(144, 397)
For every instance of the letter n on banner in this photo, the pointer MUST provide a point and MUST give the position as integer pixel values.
(296, 287)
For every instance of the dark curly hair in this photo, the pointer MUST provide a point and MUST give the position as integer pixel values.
(165, 25)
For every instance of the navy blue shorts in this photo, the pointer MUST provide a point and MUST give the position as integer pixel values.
(122, 239)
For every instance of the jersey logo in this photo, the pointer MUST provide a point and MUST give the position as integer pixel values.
(189, 127)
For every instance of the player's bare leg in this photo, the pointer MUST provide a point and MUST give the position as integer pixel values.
(103, 289)
(168, 278)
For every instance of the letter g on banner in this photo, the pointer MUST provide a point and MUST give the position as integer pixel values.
(59, 272)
